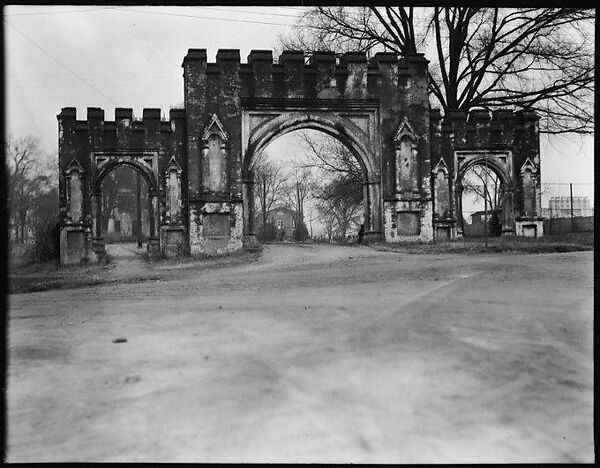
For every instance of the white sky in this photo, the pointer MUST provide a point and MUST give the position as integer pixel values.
(100, 56)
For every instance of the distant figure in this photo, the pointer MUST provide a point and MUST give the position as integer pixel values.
(361, 233)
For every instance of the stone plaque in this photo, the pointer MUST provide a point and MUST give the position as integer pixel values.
(75, 242)
(442, 233)
(216, 224)
(408, 223)
(530, 230)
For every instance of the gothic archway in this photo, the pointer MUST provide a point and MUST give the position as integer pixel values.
(338, 127)
(500, 162)
(104, 165)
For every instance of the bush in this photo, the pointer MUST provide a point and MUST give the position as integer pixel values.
(495, 224)
(300, 232)
(46, 242)
(267, 235)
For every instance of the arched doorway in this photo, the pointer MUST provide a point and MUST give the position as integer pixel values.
(481, 203)
(103, 229)
(307, 185)
(492, 171)
(336, 126)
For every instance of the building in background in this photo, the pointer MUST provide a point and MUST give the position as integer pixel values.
(560, 207)
(280, 225)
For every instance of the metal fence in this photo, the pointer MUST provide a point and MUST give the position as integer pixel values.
(567, 207)
(566, 200)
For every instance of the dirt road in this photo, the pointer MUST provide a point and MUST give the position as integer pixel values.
(313, 354)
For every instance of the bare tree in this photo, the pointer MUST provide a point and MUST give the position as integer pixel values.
(522, 58)
(484, 183)
(268, 186)
(297, 191)
(327, 154)
(111, 185)
(341, 199)
(28, 178)
(328, 219)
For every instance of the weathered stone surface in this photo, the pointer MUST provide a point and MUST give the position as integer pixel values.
(197, 163)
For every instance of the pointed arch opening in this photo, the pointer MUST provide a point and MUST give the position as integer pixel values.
(341, 129)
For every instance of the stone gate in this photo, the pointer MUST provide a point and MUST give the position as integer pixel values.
(198, 164)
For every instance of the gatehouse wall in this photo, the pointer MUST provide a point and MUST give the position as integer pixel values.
(498, 134)
(89, 148)
(198, 163)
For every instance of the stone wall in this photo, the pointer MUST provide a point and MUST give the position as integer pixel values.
(197, 163)
(216, 95)
(89, 148)
(505, 140)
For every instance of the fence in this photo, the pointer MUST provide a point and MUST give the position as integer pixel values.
(567, 207)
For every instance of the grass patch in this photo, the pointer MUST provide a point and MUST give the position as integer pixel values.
(202, 260)
(33, 277)
(570, 242)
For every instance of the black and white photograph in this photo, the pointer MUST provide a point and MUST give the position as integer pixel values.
(299, 233)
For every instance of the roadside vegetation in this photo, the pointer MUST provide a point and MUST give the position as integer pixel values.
(569, 242)
(26, 276)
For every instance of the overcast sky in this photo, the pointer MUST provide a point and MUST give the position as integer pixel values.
(99, 56)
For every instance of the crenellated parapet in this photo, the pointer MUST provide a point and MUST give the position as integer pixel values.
(294, 76)
(123, 132)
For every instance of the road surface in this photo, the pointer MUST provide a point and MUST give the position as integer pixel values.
(313, 354)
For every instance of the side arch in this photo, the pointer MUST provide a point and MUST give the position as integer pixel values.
(493, 163)
(101, 172)
(501, 163)
(108, 166)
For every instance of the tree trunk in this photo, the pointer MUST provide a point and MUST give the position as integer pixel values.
(264, 209)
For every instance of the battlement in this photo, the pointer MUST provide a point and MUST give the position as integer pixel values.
(483, 129)
(123, 133)
(123, 116)
(294, 75)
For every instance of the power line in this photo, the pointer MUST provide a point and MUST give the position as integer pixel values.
(207, 17)
(59, 63)
(220, 19)
(249, 12)
(42, 13)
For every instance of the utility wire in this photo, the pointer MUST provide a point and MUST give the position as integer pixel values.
(59, 63)
(220, 19)
(205, 17)
(41, 13)
(249, 12)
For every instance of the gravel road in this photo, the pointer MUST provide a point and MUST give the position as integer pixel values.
(312, 354)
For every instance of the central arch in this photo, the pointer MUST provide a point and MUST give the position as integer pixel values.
(339, 127)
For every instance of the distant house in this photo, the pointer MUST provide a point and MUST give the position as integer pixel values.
(281, 223)
(479, 217)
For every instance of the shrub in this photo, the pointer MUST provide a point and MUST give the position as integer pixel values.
(46, 242)
(300, 232)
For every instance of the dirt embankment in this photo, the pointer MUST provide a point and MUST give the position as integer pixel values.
(126, 264)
